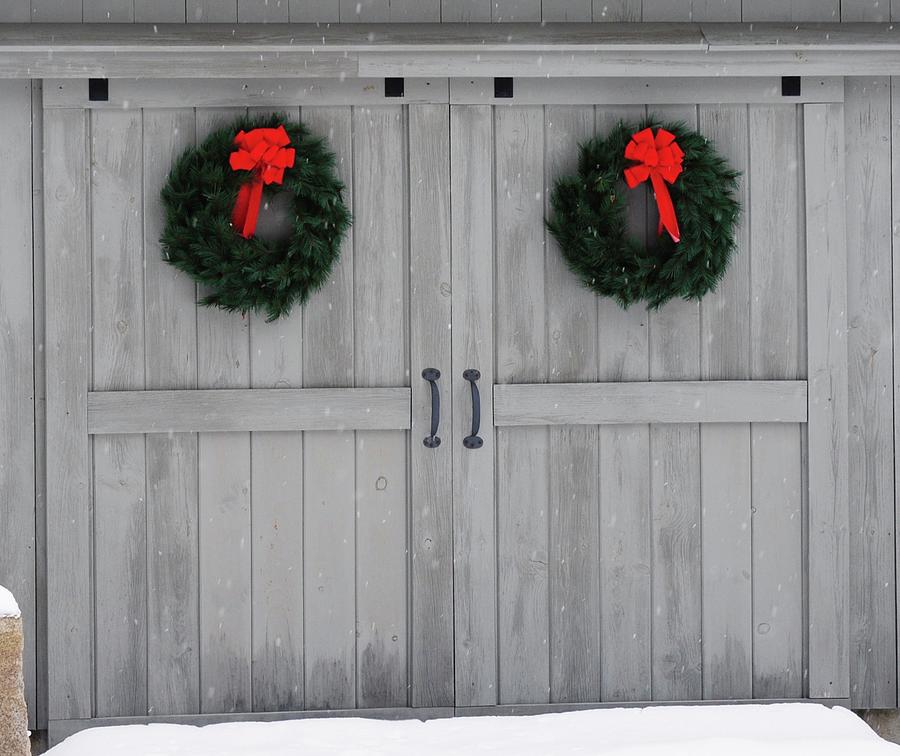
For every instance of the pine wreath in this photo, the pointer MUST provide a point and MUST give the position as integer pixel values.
(589, 221)
(252, 274)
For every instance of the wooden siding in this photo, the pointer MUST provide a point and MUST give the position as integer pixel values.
(173, 684)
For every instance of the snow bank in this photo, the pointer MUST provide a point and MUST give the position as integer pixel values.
(758, 730)
(8, 605)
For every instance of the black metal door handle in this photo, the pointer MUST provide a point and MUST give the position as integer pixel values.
(431, 375)
(473, 440)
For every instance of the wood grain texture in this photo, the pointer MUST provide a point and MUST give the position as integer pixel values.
(829, 653)
(507, 11)
(656, 402)
(262, 11)
(170, 343)
(16, 12)
(566, 10)
(120, 516)
(211, 11)
(381, 332)
(776, 337)
(314, 11)
(472, 291)
(612, 11)
(329, 532)
(865, 10)
(67, 278)
(107, 11)
(18, 482)
(223, 362)
(465, 10)
(791, 10)
(56, 11)
(522, 453)
(160, 11)
(432, 472)
(725, 448)
(574, 463)
(895, 279)
(873, 656)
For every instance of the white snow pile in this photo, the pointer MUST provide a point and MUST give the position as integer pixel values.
(795, 729)
(8, 605)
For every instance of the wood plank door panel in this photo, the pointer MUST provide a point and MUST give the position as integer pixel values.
(242, 515)
(652, 489)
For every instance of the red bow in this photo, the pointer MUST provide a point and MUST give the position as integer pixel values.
(659, 160)
(263, 152)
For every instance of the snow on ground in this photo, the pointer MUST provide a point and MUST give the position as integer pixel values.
(795, 729)
(8, 605)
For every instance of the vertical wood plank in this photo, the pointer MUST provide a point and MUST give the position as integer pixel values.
(262, 11)
(474, 11)
(170, 324)
(895, 278)
(432, 473)
(67, 281)
(120, 515)
(107, 11)
(574, 451)
(675, 494)
(827, 368)
(775, 336)
(329, 527)
(716, 10)
(612, 11)
(873, 658)
(504, 11)
(522, 453)
(365, 11)
(380, 348)
(865, 10)
(276, 491)
(159, 11)
(725, 448)
(408, 11)
(16, 12)
(791, 10)
(223, 361)
(314, 11)
(17, 372)
(625, 574)
(474, 526)
(211, 11)
(666, 10)
(56, 11)
(566, 10)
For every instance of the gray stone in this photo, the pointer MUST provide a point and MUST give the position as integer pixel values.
(13, 714)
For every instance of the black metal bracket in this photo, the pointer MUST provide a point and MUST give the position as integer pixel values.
(503, 87)
(473, 440)
(432, 441)
(394, 87)
(790, 86)
(98, 90)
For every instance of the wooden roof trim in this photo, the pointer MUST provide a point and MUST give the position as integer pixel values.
(445, 50)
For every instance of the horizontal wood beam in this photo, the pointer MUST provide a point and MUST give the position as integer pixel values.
(294, 51)
(248, 410)
(653, 402)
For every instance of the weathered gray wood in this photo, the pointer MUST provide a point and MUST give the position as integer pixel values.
(657, 402)
(262, 11)
(220, 410)
(612, 11)
(666, 10)
(511, 11)
(223, 362)
(895, 278)
(625, 91)
(716, 10)
(827, 368)
(574, 451)
(107, 11)
(15, 11)
(625, 596)
(522, 453)
(67, 244)
(865, 10)
(415, 11)
(432, 473)
(56, 11)
(170, 337)
(314, 11)
(791, 10)
(725, 448)
(17, 375)
(873, 656)
(381, 266)
(276, 491)
(469, 11)
(160, 11)
(775, 337)
(120, 515)
(329, 556)
(675, 494)
(474, 529)
(211, 11)
(566, 10)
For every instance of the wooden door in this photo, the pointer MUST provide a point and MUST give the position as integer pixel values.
(242, 515)
(658, 509)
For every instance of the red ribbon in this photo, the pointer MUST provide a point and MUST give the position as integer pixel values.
(264, 152)
(659, 158)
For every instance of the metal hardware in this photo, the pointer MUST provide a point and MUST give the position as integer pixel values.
(503, 87)
(473, 440)
(394, 87)
(431, 375)
(98, 90)
(790, 86)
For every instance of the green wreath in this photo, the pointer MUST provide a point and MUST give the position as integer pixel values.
(589, 221)
(251, 274)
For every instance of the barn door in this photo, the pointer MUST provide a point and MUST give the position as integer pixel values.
(242, 515)
(657, 506)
